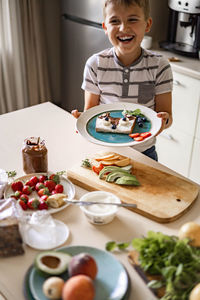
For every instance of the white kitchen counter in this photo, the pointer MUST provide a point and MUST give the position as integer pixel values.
(187, 65)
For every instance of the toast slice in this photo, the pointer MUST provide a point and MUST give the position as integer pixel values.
(106, 123)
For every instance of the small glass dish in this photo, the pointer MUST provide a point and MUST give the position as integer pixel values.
(100, 214)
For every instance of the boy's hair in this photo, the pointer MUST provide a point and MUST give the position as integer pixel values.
(144, 4)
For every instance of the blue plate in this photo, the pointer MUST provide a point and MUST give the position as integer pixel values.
(112, 281)
(86, 124)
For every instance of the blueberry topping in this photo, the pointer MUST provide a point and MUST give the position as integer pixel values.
(106, 119)
(139, 120)
(144, 119)
(114, 126)
(124, 119)
(140, 124)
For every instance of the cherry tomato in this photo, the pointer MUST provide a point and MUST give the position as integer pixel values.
(97, 169)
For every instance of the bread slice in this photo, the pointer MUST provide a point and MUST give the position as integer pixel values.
(106, 123)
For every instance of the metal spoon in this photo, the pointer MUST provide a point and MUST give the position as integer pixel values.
(77, 202)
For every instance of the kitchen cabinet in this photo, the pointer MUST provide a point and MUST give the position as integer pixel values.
(195, 162)
(178, 146)
(194, 173)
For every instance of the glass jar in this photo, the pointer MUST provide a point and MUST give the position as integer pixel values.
(34, 155)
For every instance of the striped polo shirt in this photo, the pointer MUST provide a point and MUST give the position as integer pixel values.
(149, 75)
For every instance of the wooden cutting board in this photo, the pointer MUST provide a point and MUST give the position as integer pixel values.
(161, 197)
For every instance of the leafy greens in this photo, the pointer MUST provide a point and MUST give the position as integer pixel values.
(177, 263)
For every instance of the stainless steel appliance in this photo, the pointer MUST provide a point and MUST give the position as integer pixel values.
(82, 36)
(183, 28)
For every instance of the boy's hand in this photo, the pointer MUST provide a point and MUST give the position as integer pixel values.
(166, 121)
(75, 113)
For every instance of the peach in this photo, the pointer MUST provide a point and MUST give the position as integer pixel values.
(83, 263)
(78, 287)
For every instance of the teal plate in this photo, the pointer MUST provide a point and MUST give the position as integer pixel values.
(111, 283)
(114, 138)
(86, 124)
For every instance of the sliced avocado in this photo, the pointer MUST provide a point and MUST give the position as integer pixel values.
(127, 180)
(108, 169)
(111, 177)
(127, 168)
(52, 262)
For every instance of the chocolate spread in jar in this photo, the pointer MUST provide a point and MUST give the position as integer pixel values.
(34, 154)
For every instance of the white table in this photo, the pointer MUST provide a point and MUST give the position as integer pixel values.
(66, 148)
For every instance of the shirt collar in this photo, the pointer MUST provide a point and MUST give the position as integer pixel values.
(133, 64)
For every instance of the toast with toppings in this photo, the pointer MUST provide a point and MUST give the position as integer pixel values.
(106, 123)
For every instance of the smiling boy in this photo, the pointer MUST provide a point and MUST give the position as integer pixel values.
(126, 72)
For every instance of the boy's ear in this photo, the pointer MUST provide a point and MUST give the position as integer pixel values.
(149, 24)
(104, 27)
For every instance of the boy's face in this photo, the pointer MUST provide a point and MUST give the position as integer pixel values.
(125, 27)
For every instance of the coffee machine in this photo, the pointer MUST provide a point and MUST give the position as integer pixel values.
(183, 28)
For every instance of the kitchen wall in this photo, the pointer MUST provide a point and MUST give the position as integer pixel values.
(52, 20)
(160, 14)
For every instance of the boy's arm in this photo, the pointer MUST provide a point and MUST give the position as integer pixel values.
(164, 109)
(90, 101)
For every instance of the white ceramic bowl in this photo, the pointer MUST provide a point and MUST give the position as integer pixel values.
(100, 214)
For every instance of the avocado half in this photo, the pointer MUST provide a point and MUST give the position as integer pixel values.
(52, 262)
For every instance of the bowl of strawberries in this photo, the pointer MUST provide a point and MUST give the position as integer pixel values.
(35, 191)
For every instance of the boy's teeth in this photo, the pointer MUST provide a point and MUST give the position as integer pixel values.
(125, 38)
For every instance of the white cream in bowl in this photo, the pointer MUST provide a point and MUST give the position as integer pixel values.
(100, 213)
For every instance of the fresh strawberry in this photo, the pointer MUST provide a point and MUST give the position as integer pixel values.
(27, 190)
(42, 205)
(53, 192)
(97, 169)
(24, 198)
(30, 183)
(44, 191)
(22, 204)
(44, 198)
(42, 178)
(133, 135)
(145, 134)
(17, 186)
(138, 139)
(33, 203)
(50, 184)
(55, 178)
(59, 188)
(39, 186)
(34, 179)
(16, 195)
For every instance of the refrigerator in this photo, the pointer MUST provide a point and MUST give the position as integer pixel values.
(81, 36)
